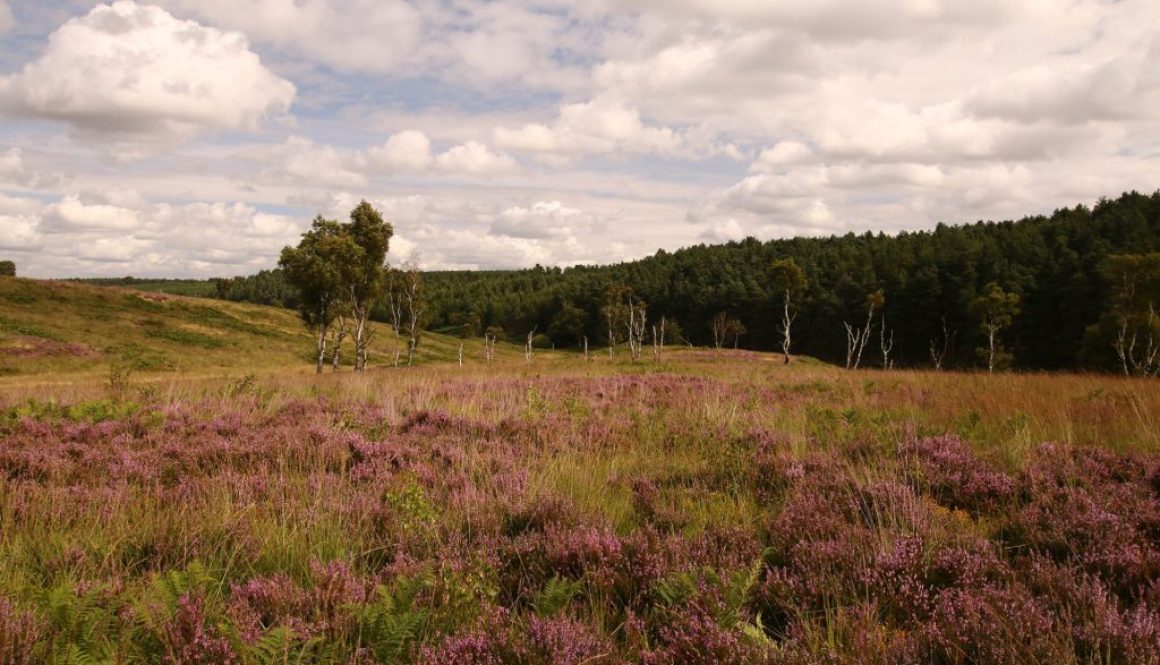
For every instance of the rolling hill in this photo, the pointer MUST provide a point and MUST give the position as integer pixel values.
(50, 328)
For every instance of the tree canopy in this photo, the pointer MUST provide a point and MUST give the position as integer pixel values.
(1060, 265)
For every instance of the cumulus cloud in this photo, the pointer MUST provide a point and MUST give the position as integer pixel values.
(12, 168)
(507, 133)
(117, 231)
(409, 150)
(74, 214)
(307, 163)
(131, 70)
(473, 44)
(542, 219)
(1073, 91)
(364, 35)
(782, 155)
(475, 158)
(604, 126)
(302, 160)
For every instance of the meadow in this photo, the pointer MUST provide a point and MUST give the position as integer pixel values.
(706, 508)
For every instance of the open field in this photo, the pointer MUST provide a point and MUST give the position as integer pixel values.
(59, 332)
(705, 509)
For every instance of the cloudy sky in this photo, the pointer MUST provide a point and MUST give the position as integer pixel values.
(197, 137)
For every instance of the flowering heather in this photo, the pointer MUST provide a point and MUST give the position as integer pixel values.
(945, 467)
(720, 512)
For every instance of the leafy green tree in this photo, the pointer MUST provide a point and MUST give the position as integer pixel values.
(735, 328)
(363, 273)
(994, 311)
(7, 269)
(567, 326)
(315, 268)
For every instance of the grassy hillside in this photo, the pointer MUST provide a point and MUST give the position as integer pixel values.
(203, 288)
(67, 329)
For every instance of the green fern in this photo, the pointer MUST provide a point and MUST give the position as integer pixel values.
(392, 624)
(556, 595)
(677, 589)
(81, 625)
(737, 591)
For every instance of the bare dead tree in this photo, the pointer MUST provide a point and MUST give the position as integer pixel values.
(790, 280)
(636, 324)
(938, 352)
(414, 307)
(586, 348)
(396, 307)
(528, 345)
(1138, 357)
(886, 344)
(461, 354)
(787, 319)
(658, 339)
(719, 326)
(489, 347)
(857, 338)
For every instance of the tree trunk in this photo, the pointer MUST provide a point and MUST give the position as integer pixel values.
(991, 349)
(320, 341)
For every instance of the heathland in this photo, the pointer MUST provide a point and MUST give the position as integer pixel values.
(176, 485)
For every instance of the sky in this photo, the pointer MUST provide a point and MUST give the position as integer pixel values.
(196, 138)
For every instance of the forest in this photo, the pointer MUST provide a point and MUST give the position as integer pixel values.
(1067, 302)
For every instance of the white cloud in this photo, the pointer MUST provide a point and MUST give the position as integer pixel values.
(12, 169)
(507, 133)
(473, 44)
(131, 70)
(119, 231)
(1072, 91)
(74, 214)
(603, 126)
(301, 160)
(474, 158)
(409, 150)
(542, 219)
(363, 35)
(781, 155)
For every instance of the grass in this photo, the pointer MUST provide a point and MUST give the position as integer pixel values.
(710, 508)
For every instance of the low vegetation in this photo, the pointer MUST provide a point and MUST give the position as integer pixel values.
(710, 508)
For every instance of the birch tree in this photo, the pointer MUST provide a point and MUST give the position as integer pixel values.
(790, 281)
(941, 346)
(994, 310)
(413, 306)
(615, 313)
(1136, 308)
(719, 326)
(857, 338)
(314, 267)
(635, 324)
(363, 274)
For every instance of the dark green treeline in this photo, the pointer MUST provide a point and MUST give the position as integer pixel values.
(1057, 265)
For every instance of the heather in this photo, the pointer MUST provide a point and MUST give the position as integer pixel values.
(710, 509)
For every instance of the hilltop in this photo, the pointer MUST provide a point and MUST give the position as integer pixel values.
(52, 328)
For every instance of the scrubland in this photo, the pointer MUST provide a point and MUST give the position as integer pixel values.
(709, 508)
